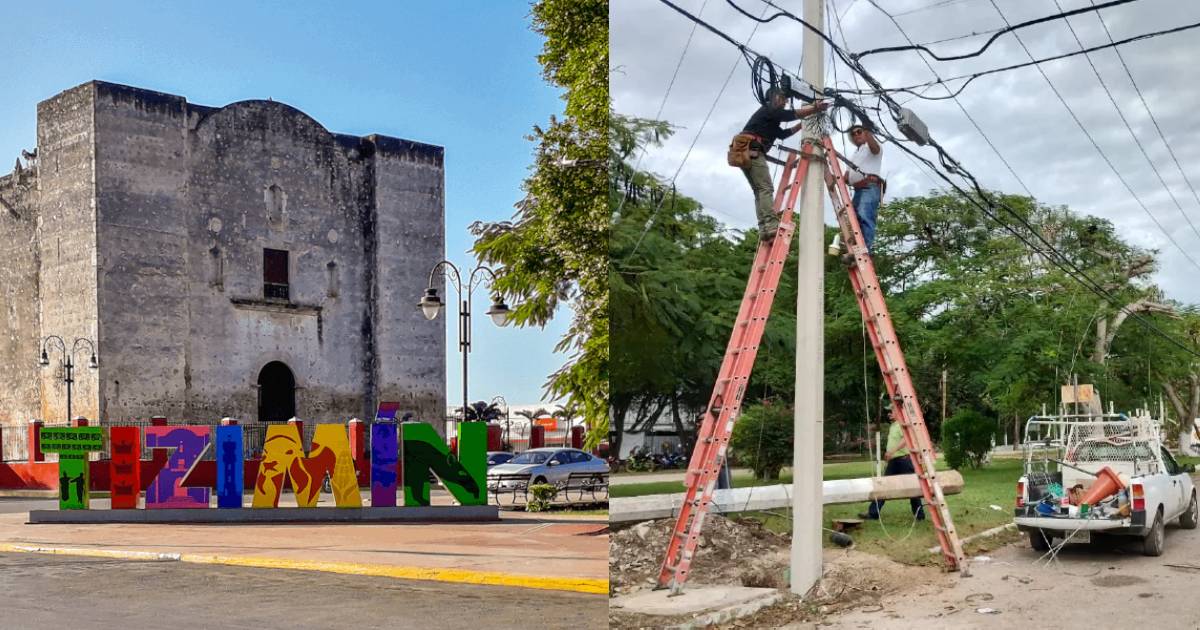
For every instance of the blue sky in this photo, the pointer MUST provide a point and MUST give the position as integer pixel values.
(462, 75)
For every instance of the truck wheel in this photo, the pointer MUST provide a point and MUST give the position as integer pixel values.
(1191, 517)
(1039, 541)
(1152, 544)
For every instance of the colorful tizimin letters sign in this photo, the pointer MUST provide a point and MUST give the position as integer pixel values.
(189, 474)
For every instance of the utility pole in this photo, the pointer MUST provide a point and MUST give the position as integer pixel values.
(810, 336)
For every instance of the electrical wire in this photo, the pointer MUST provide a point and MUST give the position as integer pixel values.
(961, 107)
(1146, 106)
(1011, 28)
(741, 48)
(935, 5)
(662, 104)
(985, 203)
(1128, 127)
(970, 77)
(854, 78)
(1104, 155)
(958, 37)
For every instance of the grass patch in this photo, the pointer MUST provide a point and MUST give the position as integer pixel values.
(897, 537)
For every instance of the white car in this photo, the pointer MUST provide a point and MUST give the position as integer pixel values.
(548, 465)
(1065, 452)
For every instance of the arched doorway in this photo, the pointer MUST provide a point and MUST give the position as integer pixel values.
(276, 393)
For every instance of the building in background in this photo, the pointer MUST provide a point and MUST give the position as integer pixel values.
(236, 261)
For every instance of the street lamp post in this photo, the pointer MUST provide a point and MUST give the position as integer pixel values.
(68, 360)
(431, 305)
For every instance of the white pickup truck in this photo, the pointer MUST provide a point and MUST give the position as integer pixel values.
(1066, 452)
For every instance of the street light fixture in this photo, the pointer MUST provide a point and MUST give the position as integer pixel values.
(68, 360)
(431, 304)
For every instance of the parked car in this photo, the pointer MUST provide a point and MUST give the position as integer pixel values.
(498, 457)
(549, 465)
(1116, 463)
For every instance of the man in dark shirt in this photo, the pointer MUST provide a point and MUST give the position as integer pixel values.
(766, 125)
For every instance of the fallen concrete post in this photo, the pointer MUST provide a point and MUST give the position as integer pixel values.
(654, 506)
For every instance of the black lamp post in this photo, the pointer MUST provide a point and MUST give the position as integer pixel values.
(68, 361)
(431, 305)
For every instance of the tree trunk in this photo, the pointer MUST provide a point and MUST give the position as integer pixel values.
(1106, 331)
(620, 407)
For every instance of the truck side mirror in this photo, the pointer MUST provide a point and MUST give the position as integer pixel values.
(1189, 468)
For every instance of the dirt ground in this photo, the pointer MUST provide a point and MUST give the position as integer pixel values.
(1102, 585)
(742, 552)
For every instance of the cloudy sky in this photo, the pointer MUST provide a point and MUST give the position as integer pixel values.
(1017, 110)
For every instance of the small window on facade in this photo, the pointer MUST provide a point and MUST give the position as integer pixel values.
(276, 203)
(331, 288)
(275, 274)
(218, 268)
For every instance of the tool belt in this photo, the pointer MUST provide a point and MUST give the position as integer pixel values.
(741, 150)
(868, 180)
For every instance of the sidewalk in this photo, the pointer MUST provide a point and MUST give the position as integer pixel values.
(568, 553)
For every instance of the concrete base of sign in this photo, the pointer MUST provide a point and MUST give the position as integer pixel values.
(425, 514)
(704, 605)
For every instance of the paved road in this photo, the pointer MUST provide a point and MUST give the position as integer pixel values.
(1089, 587)
(41, 591)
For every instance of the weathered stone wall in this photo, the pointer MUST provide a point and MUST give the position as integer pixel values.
(141, 173)
(19, 331)
(67, 243)
(238, 153)
(189, 197)
(145, 229)
(410, 230)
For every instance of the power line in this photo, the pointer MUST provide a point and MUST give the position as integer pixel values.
(1099, 150)
(1154, 120)
(961, 108)
(662, 104)
(742, 48)
(1051, 254)
(854, 78)
(970, 77)
(941, 3)
(1011, 28)
(958, 37)
(1133, 135)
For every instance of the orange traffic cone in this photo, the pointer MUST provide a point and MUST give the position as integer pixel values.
(1107, 483)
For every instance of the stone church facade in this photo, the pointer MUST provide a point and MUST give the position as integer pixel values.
(237, 261)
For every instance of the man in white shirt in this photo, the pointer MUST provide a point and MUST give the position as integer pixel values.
(865, 180)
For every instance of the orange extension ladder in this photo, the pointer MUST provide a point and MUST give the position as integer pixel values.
(726, 402)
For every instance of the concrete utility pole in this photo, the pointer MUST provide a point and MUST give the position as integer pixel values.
(810, 339)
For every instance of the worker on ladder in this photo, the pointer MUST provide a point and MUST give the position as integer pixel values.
(749, 149)
(898, 463)
(865, 180)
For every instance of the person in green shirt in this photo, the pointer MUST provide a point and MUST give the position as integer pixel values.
(898, 463)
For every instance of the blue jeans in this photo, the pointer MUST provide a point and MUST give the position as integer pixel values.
(866, 206)
(901, 465)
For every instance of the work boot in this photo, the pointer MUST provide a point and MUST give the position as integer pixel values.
(766, 233)
(848, 259)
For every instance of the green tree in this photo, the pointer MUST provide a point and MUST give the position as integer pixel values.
(555, 249)
(967, 438)
(762, 438)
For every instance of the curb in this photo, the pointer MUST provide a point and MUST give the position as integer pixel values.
(460, 576)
